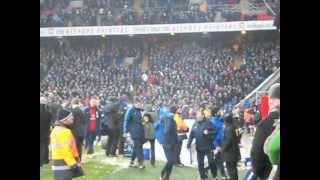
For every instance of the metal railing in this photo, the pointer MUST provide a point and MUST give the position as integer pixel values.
(264, 86)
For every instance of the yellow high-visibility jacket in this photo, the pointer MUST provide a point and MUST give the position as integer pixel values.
(181, 126)
(63, 145)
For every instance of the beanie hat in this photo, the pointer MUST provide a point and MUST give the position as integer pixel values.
(274, 91)
(63, 114)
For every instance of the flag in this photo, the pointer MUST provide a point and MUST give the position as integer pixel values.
(264, 106)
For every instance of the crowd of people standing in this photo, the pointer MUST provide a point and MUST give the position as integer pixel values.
(123, 12)
(217, 136)
(173, 76)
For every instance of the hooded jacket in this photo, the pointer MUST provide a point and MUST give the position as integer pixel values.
(230, 145)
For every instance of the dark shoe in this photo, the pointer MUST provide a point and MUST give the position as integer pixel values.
(180, 165)
(133, 165)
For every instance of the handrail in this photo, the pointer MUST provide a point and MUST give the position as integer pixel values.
(263, 86)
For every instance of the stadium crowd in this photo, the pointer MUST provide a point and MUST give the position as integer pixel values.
(122, 12)
(174, 74)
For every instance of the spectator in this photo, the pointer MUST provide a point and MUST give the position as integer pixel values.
(230, 147)
(197, 73)
(45, 122)
(204, 132)
(168, 139)
(261, 164)
(272, 149)
(65, 157)
(93, 117)
(113, 118)
(79, 125)
(133, 125)
(123, 13)
(216, 121)
(149, 133)
(182, 129)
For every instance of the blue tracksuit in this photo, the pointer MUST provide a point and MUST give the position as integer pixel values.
(133, 125)
(217, 143)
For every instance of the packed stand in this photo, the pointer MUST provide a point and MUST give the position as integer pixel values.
(185, 75)
(88, 72)
(192, 75)
(122, 12)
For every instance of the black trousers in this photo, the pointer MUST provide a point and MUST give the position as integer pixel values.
(137, 150)
(89, 142)
(232, 170)
(121, 144)
(79, 142)
(44, 152)
(178, 151)
(170, 154)
(152, 150)
(113, 139)
(212, 165)
(62, 175)
(219, 163)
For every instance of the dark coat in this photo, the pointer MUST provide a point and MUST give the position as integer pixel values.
(170, 136)
(45, 118)
(53, 109)
(230, 150)
(79, 123)
(203, 142)
(149, 132)
(261, 164)
(113, 116)
(133, 123)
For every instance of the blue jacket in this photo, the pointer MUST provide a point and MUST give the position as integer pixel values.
(163, 125)
(203, 142)
(133, 123)
(219, 128)
(99, 119)
(167, 129)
